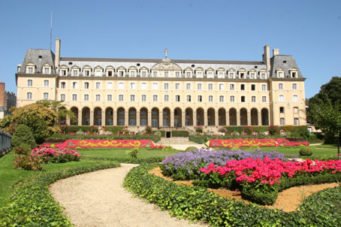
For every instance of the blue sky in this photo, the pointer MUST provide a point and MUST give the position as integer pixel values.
(310, 30)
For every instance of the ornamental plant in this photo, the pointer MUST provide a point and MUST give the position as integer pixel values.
(58, 154)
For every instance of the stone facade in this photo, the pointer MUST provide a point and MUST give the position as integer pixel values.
(166, 92)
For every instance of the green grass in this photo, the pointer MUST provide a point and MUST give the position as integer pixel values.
(319, 151)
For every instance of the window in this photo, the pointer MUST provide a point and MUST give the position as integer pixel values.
(282, 121)
(294, 98)
(177, 86)
(221, 98)
(155, 98)
(199, 74)
(98, 72)
(242, 98)
(199, 98)
(281, 98)
(253, 98)
(221, 87)
(109, 97)
(29, 95)
(86, 97)
(120, 85)
(294, 86)
(264, 87)
(242, 75)
(120, 98)
(177, 74)
(62, 97)
(133, 73)
(74, 84)
(121, 73)
(210, 86)
(75, 72)
(281, 109)
(188, 86)
(46, 83)
(144, 73)
(210, 74)
(30, 69)
(154, 74)
(87, 72)
(293, 74)
(132, 85)
(177, 98)
(46, 70)
(280, 74)
(295, 110)
(63, 72)
(132, 98)
(210, 98)
(189, 98)
(166, 98)
(155, 86)
(109, 73)
(29, 83)
(46, 96)
(165, 86)
(199, 87)
(86, 85)
(263, 98)
(242, 87)
(231, 87)
(166, 74)
(221, 74)
(231, 98)
(188, 74)
(280, 86)
(98, 85)
(109, 85)
(62, 84)
(253, 87)
(74, 97)
(144, 85)
(296, 121)
(98, 97)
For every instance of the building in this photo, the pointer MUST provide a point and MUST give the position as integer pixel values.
(166, 92)
(3, 106)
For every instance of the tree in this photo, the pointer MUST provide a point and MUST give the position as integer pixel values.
(23, 135)
(56, 106)
(41, 119)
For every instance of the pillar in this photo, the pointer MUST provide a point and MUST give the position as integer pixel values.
(205, 118)
(216, 117)
(238, 117)
(80, 117)
(227, 113)
(126, 117)
(259, 117)
(137, 118)
(183, 118)
(171, 115)
(248, 114)
(91, 117)
(194, 118)
(161, 118)
(103, 117)
(114, 120)
(149, 116)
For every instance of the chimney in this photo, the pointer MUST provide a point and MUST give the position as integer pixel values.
(266, 56)
(2, 95)
(275, 52)
(57, 53)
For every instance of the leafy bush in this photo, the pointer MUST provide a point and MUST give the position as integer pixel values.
(197, 204)
(200, 139)
(133, 153)
(55, 155)
(191, 149)
(274, 130)
(23, 135)
(27, 162)
(305, 151)
(31, 203)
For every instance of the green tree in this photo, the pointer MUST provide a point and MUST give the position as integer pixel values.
(23, 135)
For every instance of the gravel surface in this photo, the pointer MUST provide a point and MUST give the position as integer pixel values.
(99, 199)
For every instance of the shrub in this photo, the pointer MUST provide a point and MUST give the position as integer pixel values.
(133, 154)
(191, 149)
(27, 162)
(22, 149)
(149, 130)
(23, 135)
(273, 130)
(55, 155)
(200, 139)
(305, 151)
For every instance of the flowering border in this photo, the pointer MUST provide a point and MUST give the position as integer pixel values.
(231, 143)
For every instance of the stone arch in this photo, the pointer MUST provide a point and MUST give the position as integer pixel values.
(74, 117)
(254, 116)
(109, 116)
(200, 117)
(166, 117)
(243, 116)
(177, 117)
(189, 117)
(144, 116)
(211, 117)
(86, 116)
(222, 117)
(233, 116)
(120, 116)
(155, 117)
(265, 116)
(97, 116)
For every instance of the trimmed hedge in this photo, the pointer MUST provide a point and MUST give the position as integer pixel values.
(61, 137)
(197, 204)
(31, 203)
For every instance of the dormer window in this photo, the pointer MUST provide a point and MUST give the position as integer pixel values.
(75, 72)
(188, 74)
(177, 74)
(242, 74)
(109, 73)
(143, 73)
(293, 74)
(252, 75)
(166, 74)
(47, 69)
(210, 74)
(280, 74)
(18, 68)
(199, 74)
(262, 75)
(132, 73)
(98, 71)
(30, 69)
(63, 72)
(221, 74)
(154, 74)
(231, 75)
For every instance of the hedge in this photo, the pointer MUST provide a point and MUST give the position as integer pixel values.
(197, 204)
(31, 203)
(176, 133)
(61, 137)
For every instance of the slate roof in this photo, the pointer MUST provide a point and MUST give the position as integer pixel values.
(38, 57)
(285, 63)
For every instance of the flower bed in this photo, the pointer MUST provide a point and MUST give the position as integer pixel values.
(73, 144)
(230, 143)
(259, 179)
(57, 154)
(186, 165)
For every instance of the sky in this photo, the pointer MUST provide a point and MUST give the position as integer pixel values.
(310, 30)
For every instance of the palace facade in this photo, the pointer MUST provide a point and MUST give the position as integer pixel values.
(166, 92)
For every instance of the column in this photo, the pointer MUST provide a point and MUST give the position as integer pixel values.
(149, 114)
(183, 118)
(205, 118)
(80, 116)
(138, 118)
(259, 117)
(126, 117)
(216, 112)
(248, 114)
(91, 117)
(103, 117)
(114, 120)
(194, 118)
(227, 117)
(171, 113)
(161, 118)
(68, 121)
(237, 117)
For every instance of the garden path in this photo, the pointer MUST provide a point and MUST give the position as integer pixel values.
(99, 199)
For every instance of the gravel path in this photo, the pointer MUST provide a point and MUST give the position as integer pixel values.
(99, 199)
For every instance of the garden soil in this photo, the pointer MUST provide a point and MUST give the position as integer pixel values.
(99, 199)
(288, 200)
